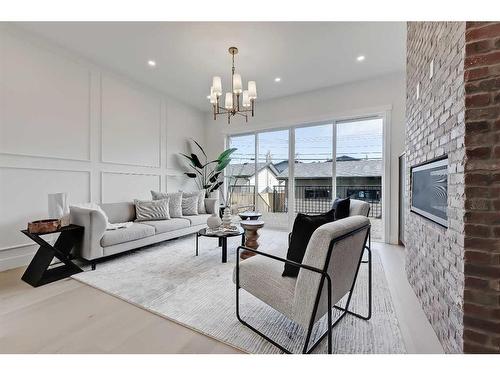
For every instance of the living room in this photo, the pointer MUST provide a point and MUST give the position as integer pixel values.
(200, 187)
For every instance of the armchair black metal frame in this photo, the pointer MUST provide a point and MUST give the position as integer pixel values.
(368, 262)
(324, 276)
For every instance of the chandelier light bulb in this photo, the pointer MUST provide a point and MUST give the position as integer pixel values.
(237, 86)
(252, 90)
(213, 96)
(246, 99)
(217, 85)
(228, 104)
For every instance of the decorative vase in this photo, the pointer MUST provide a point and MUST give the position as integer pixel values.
(59, 208)
(226, 218)
(214, 221)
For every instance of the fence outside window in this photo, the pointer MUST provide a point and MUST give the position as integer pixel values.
(308, 199)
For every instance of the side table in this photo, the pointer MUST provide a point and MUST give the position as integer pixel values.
(38, 272)
(249, 215)
(251, 236)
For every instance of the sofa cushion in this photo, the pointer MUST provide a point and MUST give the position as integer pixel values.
(162, 226)
(134, 232)
(197, 219)
(261, 277)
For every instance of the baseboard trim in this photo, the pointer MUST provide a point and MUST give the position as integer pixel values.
(15, 261)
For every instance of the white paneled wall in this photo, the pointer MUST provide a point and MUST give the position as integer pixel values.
(130, 124)
(119, 187)
(67, 125)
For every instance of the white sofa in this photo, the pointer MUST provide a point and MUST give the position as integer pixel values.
(98, 242)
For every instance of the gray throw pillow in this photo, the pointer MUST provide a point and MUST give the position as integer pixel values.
(174, 203)
(190, 205)
(151, 210)
(201, 199)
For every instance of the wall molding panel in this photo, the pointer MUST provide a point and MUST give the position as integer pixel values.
(33, 83)
(126, 186)
(24, 197)
(130, 125)
(104, 139)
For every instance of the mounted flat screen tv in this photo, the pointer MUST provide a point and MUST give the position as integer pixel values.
(429, 190)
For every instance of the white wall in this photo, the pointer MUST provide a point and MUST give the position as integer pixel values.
(69, 125)
(382, 94)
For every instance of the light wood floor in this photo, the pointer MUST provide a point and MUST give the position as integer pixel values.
(70, 317)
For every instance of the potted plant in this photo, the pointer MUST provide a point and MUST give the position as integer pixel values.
(207, 174)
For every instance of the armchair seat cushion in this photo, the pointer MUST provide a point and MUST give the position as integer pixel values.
(162, 226)
(261, 277)
(135, 232)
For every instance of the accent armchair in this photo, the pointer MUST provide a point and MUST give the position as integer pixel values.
(328, 274)
(358, 207)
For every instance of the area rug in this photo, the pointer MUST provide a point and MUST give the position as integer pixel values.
(198, 292)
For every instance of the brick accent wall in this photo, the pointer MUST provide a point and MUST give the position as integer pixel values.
(435, 127)
(482, 190)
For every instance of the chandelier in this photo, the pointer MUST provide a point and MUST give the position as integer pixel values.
(232, 105)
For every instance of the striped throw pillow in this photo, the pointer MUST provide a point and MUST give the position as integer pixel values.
(151, 210)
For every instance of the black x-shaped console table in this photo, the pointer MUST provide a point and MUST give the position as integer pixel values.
(38, 272)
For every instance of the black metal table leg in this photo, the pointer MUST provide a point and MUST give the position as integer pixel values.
(224, 249)
(197, 237)
(243, 239)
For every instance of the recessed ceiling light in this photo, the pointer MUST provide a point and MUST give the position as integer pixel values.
(360, 58)
(151, 63)
(277, 79)
(208, 96)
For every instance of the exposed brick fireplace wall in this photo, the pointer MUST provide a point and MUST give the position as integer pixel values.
(455, 271)
(435, 127)
(482, 187)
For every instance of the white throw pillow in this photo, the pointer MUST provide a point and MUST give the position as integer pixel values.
(174, 203)
(201, 199)
(190, 205)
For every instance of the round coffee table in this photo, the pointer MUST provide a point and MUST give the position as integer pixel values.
(222, 240)
(251, 235)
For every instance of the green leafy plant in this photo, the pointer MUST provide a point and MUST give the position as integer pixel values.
(207, 173)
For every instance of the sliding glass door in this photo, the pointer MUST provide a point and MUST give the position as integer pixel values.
(272, 194)
(239, 175)
(359, 165)
(313, 169)
(334, 159)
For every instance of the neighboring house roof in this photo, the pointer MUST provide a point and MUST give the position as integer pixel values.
(351, 168)
(281, 166)
(248, 169)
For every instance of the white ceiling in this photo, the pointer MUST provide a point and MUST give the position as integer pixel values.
(305, 55)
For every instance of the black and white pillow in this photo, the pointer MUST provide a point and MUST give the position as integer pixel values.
(151, 210)
(190, 205)
(174, 203)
